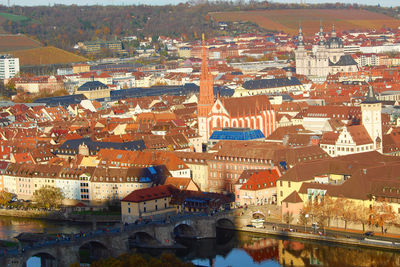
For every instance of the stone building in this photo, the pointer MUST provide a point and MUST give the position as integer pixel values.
(327, 57)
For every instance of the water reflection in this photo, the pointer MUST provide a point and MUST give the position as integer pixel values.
(232, 248)
(11, 227)
(244, 249)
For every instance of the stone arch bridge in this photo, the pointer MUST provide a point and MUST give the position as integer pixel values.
(116, 241)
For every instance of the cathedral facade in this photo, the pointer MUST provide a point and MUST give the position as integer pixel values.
(327, 57)
(255, 112)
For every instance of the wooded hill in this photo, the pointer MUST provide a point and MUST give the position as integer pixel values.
(63, 26)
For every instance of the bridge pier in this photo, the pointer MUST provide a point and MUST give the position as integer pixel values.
(67, 256)
(163, 234)
(118, 245)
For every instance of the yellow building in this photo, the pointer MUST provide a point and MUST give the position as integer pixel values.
(197, 163)
(153, 202)
(366, 179)
(94, 90)
(79, 68)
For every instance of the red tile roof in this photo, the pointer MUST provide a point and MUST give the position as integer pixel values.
(261, 179)
(150, 193)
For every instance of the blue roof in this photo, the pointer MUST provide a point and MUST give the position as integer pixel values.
(144, 180)
(92, 85)
(237, 134)
(74, 144)
(61, 100)
(186, 89)
(152, 170)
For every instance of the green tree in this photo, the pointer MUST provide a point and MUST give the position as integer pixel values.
(48, 197)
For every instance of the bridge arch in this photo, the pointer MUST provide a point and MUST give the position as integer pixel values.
(225, 223)
(92, 251)
(41, 258)
(184, 230)
(141, 239)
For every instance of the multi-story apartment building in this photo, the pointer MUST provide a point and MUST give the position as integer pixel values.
(9, 66)
(232, 158)
(81, 183)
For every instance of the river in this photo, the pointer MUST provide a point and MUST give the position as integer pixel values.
(230, 248)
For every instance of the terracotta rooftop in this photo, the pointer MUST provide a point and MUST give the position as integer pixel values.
(151, 193)
(293, 198)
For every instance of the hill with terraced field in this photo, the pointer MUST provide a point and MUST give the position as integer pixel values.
(46, 56)
(288, 20)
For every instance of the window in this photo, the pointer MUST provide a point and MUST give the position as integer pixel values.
(129, 210)
(289, 184)
(144, 209)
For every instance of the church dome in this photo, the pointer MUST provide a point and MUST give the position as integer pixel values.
(334, 42)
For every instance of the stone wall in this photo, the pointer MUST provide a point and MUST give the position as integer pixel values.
(37, 214)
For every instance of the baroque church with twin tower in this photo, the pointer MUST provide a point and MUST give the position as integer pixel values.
(327, 57)
(255, 112)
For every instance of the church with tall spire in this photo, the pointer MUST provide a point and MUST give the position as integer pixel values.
(326, 57)
(254, 112)
(206, 97)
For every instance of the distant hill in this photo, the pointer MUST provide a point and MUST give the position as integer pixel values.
(46, 56)
(13, 42)
(288, 20)
(12, 17)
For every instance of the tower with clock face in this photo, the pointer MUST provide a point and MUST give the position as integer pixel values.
(372, 119)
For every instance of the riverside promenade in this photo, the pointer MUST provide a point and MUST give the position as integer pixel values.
(273, 226)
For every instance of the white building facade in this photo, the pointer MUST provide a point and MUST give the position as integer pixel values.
(9, 66)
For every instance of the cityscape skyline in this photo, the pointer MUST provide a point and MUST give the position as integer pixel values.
(387, 3)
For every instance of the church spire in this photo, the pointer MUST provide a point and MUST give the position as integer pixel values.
(301, 38)
(321, 35)
(370, 98)
(206, 98)
(333, 31)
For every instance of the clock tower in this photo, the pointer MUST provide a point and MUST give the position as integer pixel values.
(372, 118)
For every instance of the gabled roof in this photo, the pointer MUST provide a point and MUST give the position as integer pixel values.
(151, 193)
(179, 182)
(359, 135)
(242, 106)
(92, 85)
(261, 179)
(293, 198)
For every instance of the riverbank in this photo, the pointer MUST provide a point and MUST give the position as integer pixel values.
(32, 214)
(357, 241)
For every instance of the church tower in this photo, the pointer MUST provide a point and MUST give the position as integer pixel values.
(206, 98)
(371, 118)
(322, 62)
(301, 55)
